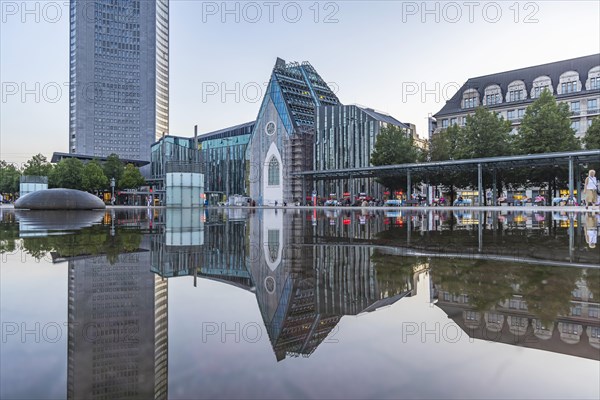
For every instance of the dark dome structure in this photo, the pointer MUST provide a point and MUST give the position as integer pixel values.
(59, 199)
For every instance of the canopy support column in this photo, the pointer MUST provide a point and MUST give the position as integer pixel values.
(408, 185)
(571, 184)
(479, 185)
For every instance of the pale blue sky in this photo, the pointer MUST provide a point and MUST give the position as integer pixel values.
(373, 55)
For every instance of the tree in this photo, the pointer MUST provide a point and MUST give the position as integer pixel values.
(446, 145)
(38, 165)
(486, 135)
(9, 177)
(546, 128)
(132, 178)
(93, 178)
(592, 136)
(113, 168)
(393, 146)
(68, 173)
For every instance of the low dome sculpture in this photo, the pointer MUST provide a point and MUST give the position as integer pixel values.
(59, 199)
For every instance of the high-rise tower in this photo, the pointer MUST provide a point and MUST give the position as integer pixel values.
(119, 76)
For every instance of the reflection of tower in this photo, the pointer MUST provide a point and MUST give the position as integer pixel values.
(118, 344)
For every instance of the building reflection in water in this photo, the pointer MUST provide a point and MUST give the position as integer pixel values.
(307, 271)
(554, 309)
(117, 308)
(118, 333)
(303, 289)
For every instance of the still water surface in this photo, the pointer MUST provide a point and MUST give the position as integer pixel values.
(233, 303)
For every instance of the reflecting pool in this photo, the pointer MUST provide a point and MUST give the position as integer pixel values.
(291, 303)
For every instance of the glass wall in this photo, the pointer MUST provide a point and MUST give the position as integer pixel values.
(224, 157)
(345, 138)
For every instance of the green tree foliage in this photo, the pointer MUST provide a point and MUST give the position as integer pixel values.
(486, 135)
(546, 127)
(393, 147)
(592, 136)
(9, 177)
(547, 291)
(38, 165)
(447, 144)
(132, 178)
(68, 173)
(93, 178)
(113, 168)
(96, 240)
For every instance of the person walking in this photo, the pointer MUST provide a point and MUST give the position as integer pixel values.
(591, 189)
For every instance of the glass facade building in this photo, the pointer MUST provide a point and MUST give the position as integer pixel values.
(219, 155)
(345, 138)
(119, 76)
(224, 159)
(171, 149)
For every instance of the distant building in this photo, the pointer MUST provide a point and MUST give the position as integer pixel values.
(119, 77)
(575, 81)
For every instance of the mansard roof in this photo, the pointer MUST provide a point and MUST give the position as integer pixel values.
(554, 70)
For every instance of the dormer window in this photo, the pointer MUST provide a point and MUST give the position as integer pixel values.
(516, 91)
(470, 98)
(593, 78)
(540, 84)
(569, 83)
(493, 95)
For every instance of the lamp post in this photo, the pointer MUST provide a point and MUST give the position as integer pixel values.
(112, 187)
(227, 141)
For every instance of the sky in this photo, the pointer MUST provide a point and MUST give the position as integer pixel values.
(401, 57)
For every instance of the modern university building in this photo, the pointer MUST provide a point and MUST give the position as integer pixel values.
(302, 126)
(281, 142)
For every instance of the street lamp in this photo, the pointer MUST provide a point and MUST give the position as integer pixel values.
(112, 187)
(227, 165)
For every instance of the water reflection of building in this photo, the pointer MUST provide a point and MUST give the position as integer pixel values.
(225, 252)
(511, 321)
(177, 250)
(118, 333)
(304, 289)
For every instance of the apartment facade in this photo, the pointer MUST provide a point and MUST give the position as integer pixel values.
(575, 81)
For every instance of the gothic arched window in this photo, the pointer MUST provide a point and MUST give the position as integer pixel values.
(273, 179)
